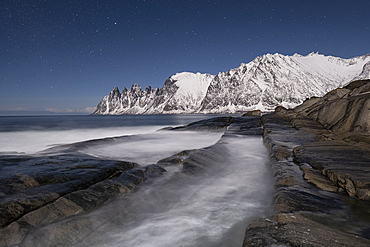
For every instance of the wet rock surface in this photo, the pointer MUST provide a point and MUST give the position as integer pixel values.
(252, 113)
(27, 183)
(213, 124)
(41, 190)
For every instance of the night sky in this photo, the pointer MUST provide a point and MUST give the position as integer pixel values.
(64, 56)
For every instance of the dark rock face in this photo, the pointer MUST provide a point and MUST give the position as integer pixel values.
(252, 113)
(342, 110)
(213, 124)
(250, 126)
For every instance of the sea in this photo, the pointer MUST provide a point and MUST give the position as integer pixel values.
(211, 210)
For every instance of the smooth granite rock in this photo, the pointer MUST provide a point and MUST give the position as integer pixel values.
(52, 188)
(342, 110)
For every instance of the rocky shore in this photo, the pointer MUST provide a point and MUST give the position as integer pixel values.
(319, 157)
(46, 198)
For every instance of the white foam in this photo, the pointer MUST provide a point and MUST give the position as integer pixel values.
(31, 142)
(148, 149)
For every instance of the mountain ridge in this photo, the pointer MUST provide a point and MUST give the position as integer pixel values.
(264, 83)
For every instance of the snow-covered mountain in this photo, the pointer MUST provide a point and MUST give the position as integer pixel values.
(181, 93)
(264, 83)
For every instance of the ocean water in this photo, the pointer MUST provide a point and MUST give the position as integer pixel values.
(209, 210)
(32, 134)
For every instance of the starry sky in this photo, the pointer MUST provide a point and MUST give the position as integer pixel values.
(61, 56)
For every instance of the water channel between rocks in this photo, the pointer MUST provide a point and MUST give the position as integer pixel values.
(176, 209)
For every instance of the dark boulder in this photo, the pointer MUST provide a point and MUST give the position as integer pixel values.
(214, 124)
(252, 113)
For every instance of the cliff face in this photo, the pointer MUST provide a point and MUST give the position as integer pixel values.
(342, 110)
(262, 84)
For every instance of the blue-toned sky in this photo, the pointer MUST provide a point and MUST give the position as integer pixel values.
(64, 56)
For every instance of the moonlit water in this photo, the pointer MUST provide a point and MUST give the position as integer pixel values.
(171, 210)
(33, 134)
(150, 148)
(210, 210)
(31, 142)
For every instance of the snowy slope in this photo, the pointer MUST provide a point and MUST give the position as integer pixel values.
(264, 83)
(272, 80)
(191, 89)
(182, 92)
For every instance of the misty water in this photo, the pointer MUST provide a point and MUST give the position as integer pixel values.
(31, 134)
(175, 209)
(211, 210)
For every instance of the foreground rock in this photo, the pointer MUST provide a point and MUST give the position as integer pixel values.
(43, 190)
(28, 183)
(298, 230)
(322, 182)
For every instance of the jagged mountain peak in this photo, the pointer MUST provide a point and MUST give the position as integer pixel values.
(265, 82)
(114, 93)
(312, 54)
(135, 86)
(115, 89)
(297, 55)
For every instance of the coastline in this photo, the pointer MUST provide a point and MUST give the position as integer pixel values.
(321, 182)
